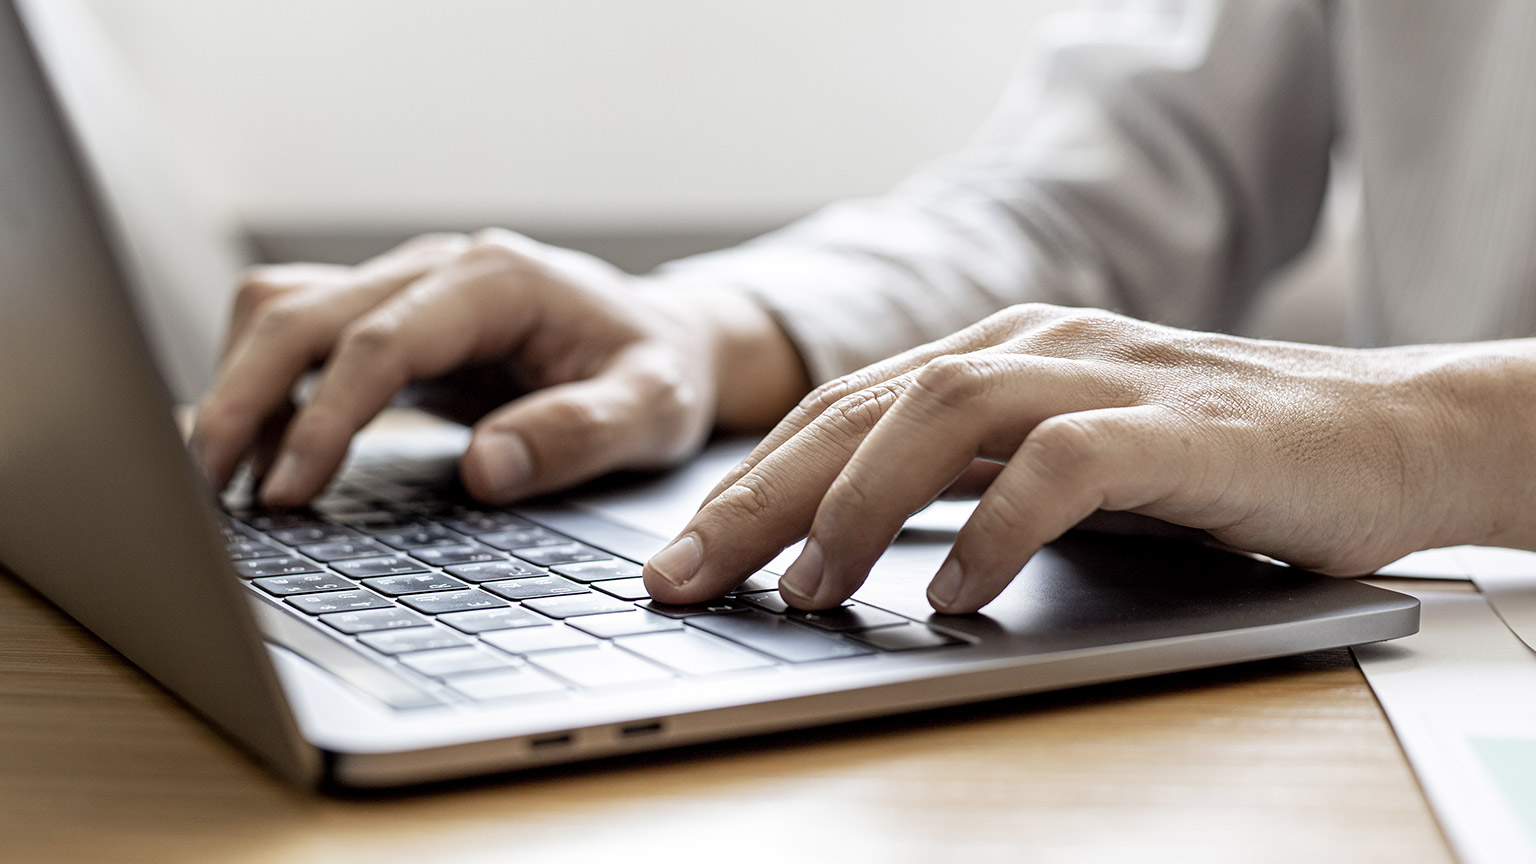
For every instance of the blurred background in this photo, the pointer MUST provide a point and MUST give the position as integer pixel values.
(639, 130)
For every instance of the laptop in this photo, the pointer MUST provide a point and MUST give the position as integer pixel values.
(397, 633)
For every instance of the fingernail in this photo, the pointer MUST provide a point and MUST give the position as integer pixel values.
(803, 578)
(283, 480)
(945, 586)
(680, 561)
(505, 462)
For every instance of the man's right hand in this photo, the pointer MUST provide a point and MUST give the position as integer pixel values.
(597, 371)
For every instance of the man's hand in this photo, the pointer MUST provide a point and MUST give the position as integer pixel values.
(1335, 459)
(597, 370)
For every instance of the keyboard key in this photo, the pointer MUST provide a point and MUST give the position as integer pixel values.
(233, 529)
(693, 653)
(768, 601)
(533, 586)
(854, 616)
(381, 523)
(413, 583)
(304, 583)
(337, 505)
(417, 538)
(593, 571)
(724, 606)
(343, 549)
(456, 553)
(363, 568)
(601, 667)
(485, 523)
(285, 566)
(531, 640)
(484, 620)
(389, 618)
(576, 604)
(777, 637)
(910, 637)
(410, 639)
(561, 553)
(631, 623)
(517, 538)
(452, 601)
(283, 519)
(448, 662)
(308, 534)
(337, 601)
(245, 549)
(624, 589)
(494, 570)
(507, 684)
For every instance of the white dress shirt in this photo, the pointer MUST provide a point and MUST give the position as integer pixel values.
(1161, 159)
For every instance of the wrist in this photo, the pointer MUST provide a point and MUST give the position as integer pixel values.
(1483, 428)
(757, 373)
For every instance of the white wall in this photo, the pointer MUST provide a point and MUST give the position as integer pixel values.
(562, 112)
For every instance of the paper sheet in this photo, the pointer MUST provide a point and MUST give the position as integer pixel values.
(1507, 577)
(1461, 696)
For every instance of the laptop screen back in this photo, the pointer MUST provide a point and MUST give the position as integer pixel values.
(99, 508)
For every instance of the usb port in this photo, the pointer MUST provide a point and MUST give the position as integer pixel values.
(549, 741)
(636, 730)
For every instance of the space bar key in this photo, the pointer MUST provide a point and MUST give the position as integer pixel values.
(776, 637)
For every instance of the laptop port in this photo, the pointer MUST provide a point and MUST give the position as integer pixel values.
(637, 730)
(551, 741)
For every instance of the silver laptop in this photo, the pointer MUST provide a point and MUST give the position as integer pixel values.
(399, 634)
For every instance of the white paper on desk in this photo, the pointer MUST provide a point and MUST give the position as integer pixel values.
(1461, 695)
(1507, 577)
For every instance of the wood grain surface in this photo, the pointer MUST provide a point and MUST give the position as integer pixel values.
(1287, 760)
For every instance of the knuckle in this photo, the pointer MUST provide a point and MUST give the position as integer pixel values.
(315, 433)
(216, 421)
(954, 379)
(374, 336)
(255, 291)
(848, 493)
(822, 398)
(1064, 445)
(1008, 512)
(282, 316)
(1019, 316)
(859, 411)
(496, 257)
(1081, 327)
(491, 237)
(433, 241)
(581, 425)
(749, 499)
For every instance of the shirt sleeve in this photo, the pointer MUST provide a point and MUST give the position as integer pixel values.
(1157, 159)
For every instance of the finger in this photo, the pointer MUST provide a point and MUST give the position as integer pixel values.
(263, 284)
(280, 339)
(269, 440)
(1067, 468)
(449, 317)
(769, 507)
(973, 481)
(629, 415)
(827, 395)
(958, 408)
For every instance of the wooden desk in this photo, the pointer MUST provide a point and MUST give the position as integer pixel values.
(1287, 760)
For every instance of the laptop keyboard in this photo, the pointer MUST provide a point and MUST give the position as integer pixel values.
(496, 606)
